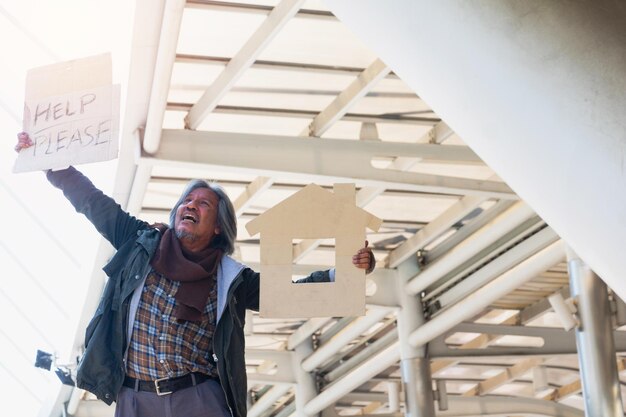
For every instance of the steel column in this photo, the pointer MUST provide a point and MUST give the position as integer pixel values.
(414, 361)
(305, 381)
(594, 338)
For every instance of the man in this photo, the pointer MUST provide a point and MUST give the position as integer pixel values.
(167, 337)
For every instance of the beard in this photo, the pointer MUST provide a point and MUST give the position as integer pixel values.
(185, 235)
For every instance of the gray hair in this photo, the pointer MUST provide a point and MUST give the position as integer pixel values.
(226, 218)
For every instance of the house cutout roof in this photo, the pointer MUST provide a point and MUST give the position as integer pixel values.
(314, 212)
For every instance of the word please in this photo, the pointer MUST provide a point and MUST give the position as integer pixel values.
(52, 141)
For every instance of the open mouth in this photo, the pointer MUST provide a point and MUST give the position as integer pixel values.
(189, 217)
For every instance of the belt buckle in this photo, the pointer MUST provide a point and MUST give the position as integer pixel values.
(158, 389)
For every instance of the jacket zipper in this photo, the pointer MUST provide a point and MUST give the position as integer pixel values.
(215, 358)
(237, 319)
(219, 375)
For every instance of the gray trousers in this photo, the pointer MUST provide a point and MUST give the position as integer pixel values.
(202, 400)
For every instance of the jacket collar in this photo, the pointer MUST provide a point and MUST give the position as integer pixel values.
(149, 239)
(228, 270)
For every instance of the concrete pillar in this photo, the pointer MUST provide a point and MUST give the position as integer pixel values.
(414, 362)
(535, 88)
(594, 339)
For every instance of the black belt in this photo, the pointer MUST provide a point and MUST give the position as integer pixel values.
(165, 386)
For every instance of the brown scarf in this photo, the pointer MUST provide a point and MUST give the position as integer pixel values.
(195, 271)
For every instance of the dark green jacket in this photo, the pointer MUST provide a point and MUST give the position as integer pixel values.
(102, 369)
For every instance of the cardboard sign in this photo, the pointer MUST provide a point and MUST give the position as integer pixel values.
(312, 213)
(71, 113)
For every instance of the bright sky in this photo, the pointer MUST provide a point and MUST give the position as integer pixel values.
(46, 249)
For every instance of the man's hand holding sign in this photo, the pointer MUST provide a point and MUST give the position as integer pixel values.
(168, 335)
(71, 114)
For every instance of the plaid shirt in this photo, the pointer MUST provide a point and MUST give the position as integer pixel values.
(161, 346)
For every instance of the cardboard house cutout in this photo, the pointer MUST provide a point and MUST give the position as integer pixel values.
(313, 213)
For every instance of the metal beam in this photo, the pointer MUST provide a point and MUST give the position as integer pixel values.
(305, 331)
(268, 399)
(484, 339)
(166, 54)
(439, 133)
(478, 342)
(504, 377)
(328, 349)
(497, 266)
(466, 230)
(556, 341)
(354, 378)
(335, 111)
(276, 65)
(575, 387)
(594, 338)
(256, 8)
(478, 241)
(565, 391)
(533, 311)
(319, 158)
(433, 230)
(346, 99)
(274, 23)
(497, 405)
(308, 114)
(252, 191)
(284, 373)
(482, 298)
(372, 348)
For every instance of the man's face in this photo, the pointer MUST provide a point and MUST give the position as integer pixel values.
(196, 219)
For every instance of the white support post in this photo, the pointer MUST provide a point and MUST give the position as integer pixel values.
(414, 361)
(305, 381)
(166, 55)
(594, 339)
(393, 392)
